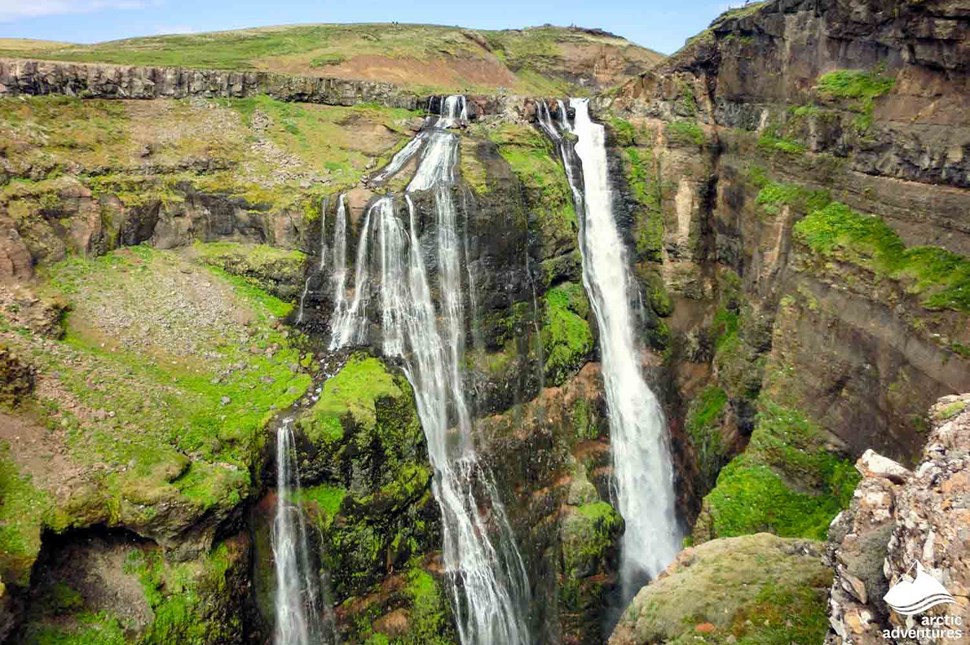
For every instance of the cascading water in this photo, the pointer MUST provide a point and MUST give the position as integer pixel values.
(643, 473)
(301, 617)
(488, 583)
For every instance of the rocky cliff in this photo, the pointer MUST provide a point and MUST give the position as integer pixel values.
(798, 174)
(899, 517)
(791, 188)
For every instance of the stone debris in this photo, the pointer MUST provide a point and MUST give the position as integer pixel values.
(899, 517)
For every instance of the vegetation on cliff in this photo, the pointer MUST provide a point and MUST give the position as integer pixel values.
(939, 278)
(157, 394)
(567, 340)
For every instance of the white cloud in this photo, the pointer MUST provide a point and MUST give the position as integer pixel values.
(11, 10)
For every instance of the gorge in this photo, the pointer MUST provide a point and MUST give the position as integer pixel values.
(291, 351)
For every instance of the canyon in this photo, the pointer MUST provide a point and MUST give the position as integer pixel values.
(477, 361)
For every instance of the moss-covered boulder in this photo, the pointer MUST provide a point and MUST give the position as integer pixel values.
(567, 339)
(589, 538)
(274, 270)
(366, 475)
(752, 589)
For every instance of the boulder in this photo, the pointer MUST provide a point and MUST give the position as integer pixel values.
(755, 588)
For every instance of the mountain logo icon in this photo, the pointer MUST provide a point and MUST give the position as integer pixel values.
(911, 596)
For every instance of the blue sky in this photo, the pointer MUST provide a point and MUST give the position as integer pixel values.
(661, 25)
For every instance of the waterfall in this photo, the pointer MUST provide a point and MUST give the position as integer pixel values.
(350, 323)
(487, 579)
(643, 474)
(323, 258)
(301, 618)
(340, 258)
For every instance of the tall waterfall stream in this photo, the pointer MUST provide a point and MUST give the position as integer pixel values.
(302, 615)
(487, 580)
(643, 473)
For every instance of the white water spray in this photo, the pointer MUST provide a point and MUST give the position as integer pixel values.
(301, 617)
(643, 473)
(487, 579)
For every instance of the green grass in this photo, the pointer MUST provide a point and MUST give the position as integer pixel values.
(567, 339)
(267, 268)
(685, 132)
(23, 512)
(854, 84)
(774, 195)
(172, 409)
(860, 87)
(536, 57)
(774, 143)
(939, 278)
(354, 392)
(786, 482)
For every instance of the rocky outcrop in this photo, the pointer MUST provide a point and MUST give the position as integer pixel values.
(899, 517)
(95, 80)
(757, 588)
(16, 378)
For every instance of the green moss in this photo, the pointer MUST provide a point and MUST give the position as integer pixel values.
(757, 590)
(589, 532)
(567, 339)
(623, 132)
(353, 392)
(86, 628)
(184, 597)
(325, 497)
(940, 278)
(534, 161)
(703, 427)
(951, 410)
(773, 143)
(785, 482)
(854, 84)
(685, 132)
(155, 398)
(861, 86)
(428, 620)
(646, 188)
(582, 418)
(783, 613)
(23, 511)
(774, 195)
(270, 269)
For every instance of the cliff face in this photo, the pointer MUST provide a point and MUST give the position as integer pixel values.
(211, 206)
(38, 78)
(814, 156)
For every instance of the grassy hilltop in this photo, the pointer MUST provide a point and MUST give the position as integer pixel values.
(424, 57)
